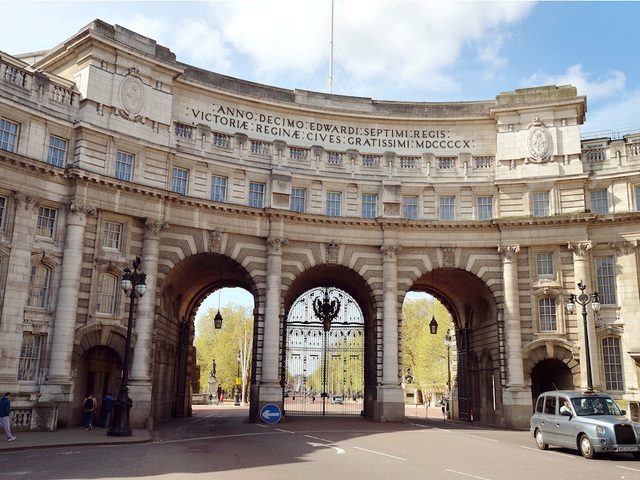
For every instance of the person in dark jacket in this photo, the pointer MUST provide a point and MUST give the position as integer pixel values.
(5, 418)
(89, 404)
(107, 408)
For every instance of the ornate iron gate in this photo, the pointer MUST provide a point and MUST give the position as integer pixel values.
(324, 364)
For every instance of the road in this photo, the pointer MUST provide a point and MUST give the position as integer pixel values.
(218, 442)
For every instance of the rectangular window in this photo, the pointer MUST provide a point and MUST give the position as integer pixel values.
(548, 322)
(2, 211)
(612, 361)
(29, 357)
(544, 264)
(605, 276)
(334, 199)
(8, 135)
(256, 194)
(541, 204)
(599, 202)
(485, 208)
(638, 198)
(46, 222)
(410, 208)
(218, 189)
(298, 197)
(57, 151)
(38, 286)
(447, 208)
(124, 166)
(179, 180)
(369, 206)
(112, 235)
(106, 294)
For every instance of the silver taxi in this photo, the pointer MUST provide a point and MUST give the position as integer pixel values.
(586, 421)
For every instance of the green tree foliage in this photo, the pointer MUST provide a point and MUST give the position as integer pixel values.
(222, 345)
(423, 352)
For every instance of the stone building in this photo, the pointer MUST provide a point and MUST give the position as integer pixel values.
(110, 149)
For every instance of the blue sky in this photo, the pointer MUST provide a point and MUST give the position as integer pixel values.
(386, 50)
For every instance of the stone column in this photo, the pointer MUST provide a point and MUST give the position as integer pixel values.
(16, 287)
(146, 305)
(270, 389)
(513, 337)
(390, 315)
(582, 269)
(628, 292)
(64, 323)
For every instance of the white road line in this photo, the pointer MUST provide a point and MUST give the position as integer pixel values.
(442, 429)
(550, 452)
(482, 438)
(466, 474)
(283, 431)
(380, 453)
(318, 438)
(627, 468)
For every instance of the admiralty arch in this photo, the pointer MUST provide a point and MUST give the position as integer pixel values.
(112, 149)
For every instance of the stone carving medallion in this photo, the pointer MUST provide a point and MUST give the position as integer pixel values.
(132, 94)
(538, 141)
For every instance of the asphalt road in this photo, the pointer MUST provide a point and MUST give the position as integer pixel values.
(218, 442)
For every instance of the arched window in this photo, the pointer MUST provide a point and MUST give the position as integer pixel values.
(39, 282)
(106, 301)
(547, 311)
(612, 361)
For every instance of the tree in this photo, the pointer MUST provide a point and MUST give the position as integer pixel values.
(423, 352)
(223, 345)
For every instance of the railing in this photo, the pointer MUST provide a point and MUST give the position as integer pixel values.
(633, 149)
(370, 160)
(220, 140)
(334, 158)
(62, 95)
(483, 162)
(446, 163)
(15, 75)
(611, 134)
(183, 131)
(409, 162)
(595, 155)
(296, 153)
(21, 418)
(260, 148)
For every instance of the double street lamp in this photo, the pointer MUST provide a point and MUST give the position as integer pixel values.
(584, 300)
(133, 284)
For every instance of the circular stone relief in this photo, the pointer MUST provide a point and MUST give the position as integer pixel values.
(539, 143)
(132, 95)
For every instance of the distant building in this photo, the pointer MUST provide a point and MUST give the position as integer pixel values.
(110, 149)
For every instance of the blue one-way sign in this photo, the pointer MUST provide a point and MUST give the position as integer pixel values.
(270, 413)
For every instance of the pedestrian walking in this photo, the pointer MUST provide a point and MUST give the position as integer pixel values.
(107, 408)
(5, 415)
(89, 404)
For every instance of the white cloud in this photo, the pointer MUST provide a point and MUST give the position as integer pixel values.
(608, 85)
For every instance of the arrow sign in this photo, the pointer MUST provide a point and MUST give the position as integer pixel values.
(270, 413)
(339, 451)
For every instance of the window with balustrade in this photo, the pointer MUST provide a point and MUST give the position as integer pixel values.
(30, 353)
(547, 314)
(8, 135)
(46, 223)
(256, 194)
(541, 206)
(369, 206)
(124, 166)
(599, 202)
(410, 208)
(485, 208)
(106, 296)
(612, 363)
(179, 180)
(606, 280)
(218, 188)
(39, 284)
(334, 200)
(334, 158)
(298, 198)
(447, 208)
(57, 153)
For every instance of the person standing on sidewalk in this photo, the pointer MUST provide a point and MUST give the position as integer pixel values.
(5, 418)
(89, 405)
(107, 408)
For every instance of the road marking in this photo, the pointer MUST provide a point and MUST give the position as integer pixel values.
(466, 474)
(550, 452)
(318, 438)
(442, 429)
(339, 451)
(482, 438)
(283, 431)
(380, 453)
(627, 468)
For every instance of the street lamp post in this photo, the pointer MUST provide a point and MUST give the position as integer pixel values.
(238, 381)
(133, 284)
(447, 343)
(584, 300)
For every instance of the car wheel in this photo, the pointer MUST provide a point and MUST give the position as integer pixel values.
(540, 441)
(636, 455)
(586, 447)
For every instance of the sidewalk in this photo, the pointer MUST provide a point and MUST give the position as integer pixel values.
(69, 437)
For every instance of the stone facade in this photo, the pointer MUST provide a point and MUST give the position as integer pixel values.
(110, 149)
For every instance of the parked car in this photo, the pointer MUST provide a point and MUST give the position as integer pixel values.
(337, 399)
(586, 421)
